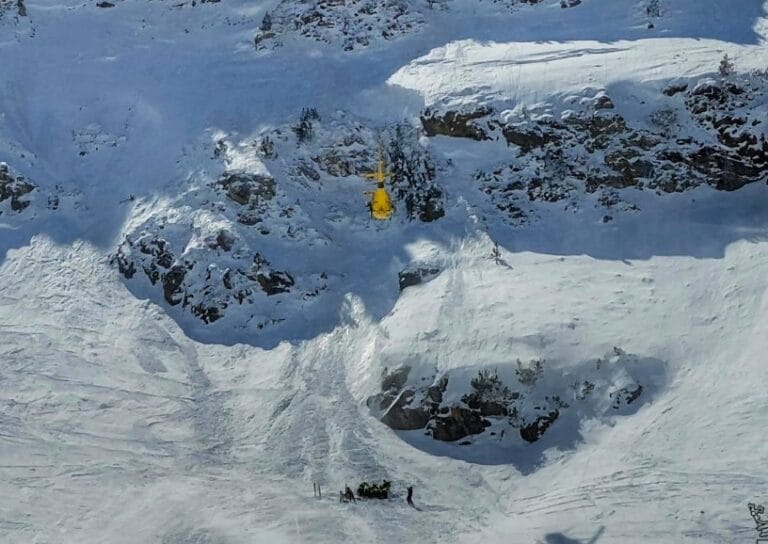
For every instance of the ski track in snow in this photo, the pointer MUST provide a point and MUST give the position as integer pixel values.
(117, 427)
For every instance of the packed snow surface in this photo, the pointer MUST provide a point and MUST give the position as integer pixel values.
(123, 420)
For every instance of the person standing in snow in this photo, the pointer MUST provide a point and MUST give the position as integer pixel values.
(349, 495)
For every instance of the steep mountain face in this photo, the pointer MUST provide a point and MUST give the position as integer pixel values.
(558, 335)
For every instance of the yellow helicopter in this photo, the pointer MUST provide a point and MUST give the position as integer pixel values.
(381, 204)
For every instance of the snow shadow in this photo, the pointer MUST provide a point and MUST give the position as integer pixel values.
(560, 538)
(586, 394)
(700, 223)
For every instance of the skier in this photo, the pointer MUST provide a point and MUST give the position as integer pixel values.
(410, 496)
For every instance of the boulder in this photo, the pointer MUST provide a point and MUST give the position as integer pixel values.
(528, 139)
(457, 424)
(248, 189)
(402, 417)
(456, 124)
(533, 431)
(675, 87)
(275, 282)
(172, 284)
(626, 396)
(415, 276)
(603, 102)
(395, 380)
(14, 189)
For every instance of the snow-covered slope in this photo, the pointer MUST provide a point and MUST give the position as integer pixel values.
(198, 319)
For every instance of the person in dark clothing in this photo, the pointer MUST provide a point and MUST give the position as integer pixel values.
(349, 495)
(409, 499)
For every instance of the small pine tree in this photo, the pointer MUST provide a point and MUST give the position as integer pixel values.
(529, 375)
(727, 67)
(304, 130)
(266, 22)
(653, 8)
(267, 148)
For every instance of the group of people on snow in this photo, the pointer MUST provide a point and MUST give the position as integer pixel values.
(349, 496)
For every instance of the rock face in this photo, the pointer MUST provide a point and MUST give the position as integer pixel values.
(207, 291)
(216, 249)
(208, 261)
(14, 190)
(458, 423)
(251, 191)
(456, 124)
(397, 404)
(593, 148)
(400, 416)
(415, 275)
(533, 402)
(533, 431)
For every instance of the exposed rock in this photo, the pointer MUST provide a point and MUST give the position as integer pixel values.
(533, 431)
(415, 276)
(14, 189)
(607, 124)
(626, 396)
(400, 416)
(274, 283)
(457, 424)
(456, 124)
(675, 87)
(334, 163)
(628, 166)
(604, 102)
(395, 380)
(528, 139)
(708, 88)
(172, 284)
(225, 240)
(532, 410)
(248, 189)
(105, 5)
(435, 392)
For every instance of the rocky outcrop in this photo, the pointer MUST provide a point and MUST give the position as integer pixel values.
(14, 190)
(456, 124)
(556, 157)
(530, 401)
(397, 403)
(415, 275)
(402, 417)
(458, 423)
(207, 291)
(528, 138)
(535, 430)
(251, 191)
